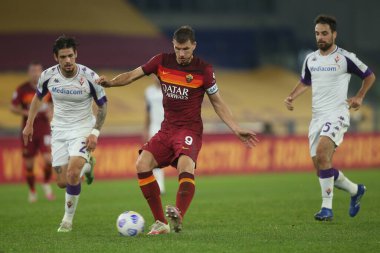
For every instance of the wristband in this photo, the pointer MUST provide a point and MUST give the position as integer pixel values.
(95, 132)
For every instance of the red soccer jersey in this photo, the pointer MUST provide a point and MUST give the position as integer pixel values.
(23, 96)
(183, 89)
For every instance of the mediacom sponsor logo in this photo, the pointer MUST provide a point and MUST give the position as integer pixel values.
(322, 68)
(66, 91)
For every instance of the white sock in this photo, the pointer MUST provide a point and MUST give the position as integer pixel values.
(47, 189)
(70, 206)
(345, 184)
(159, 175)
(86, 168)
(327, 188)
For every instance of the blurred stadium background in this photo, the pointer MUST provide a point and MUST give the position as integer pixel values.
(256, 46)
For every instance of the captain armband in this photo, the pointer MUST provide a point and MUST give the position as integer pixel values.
(212, 90)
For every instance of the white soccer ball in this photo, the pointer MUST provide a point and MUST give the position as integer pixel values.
(130, 223)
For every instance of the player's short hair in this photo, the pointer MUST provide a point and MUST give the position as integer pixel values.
(183, 34)
(326, 19)
(64, 41)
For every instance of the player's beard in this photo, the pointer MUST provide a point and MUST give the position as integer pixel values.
(324, 46)
(184, 61)
(68, 72)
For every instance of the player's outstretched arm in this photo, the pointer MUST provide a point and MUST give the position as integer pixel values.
(27, 133)
(122, 79)
(356, 101)
(297, 91)
(248, 137)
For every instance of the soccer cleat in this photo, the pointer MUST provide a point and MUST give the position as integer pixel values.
(49, 195)
(90, 175)
(65, 227)
(325, 214)
(175, 217)
(355, 200)
(159, 228)
(32, 198)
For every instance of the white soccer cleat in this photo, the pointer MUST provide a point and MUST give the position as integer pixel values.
(174, 214)
(159, 228)
(65, 227)
(49, 195)
(32, 198)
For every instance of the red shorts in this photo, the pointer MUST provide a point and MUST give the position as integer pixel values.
(167, 147)
(40, 142)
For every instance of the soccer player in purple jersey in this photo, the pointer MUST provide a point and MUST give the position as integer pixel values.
(328, 71)
(75, 129)
(185, 79)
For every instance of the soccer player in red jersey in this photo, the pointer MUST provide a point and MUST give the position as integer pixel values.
(21, 101)
(185, 79)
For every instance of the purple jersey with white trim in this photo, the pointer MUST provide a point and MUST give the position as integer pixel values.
(329, 77)
(72, 97)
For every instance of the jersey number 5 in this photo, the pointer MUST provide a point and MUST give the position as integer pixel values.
(326, 127)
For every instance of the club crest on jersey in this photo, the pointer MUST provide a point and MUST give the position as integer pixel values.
(337, 58)
(189, 78)
(81, 81)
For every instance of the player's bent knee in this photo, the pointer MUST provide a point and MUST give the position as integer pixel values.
(185, 164)
(73, 177)
(323, 160)
(142, 166)
(187, 169)
(61, 185)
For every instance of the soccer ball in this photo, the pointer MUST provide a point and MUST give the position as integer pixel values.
(130, 223)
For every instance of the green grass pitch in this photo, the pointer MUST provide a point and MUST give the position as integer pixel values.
(245, 213)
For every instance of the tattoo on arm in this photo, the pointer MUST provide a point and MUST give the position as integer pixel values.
(58, 169)
(101, 116)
